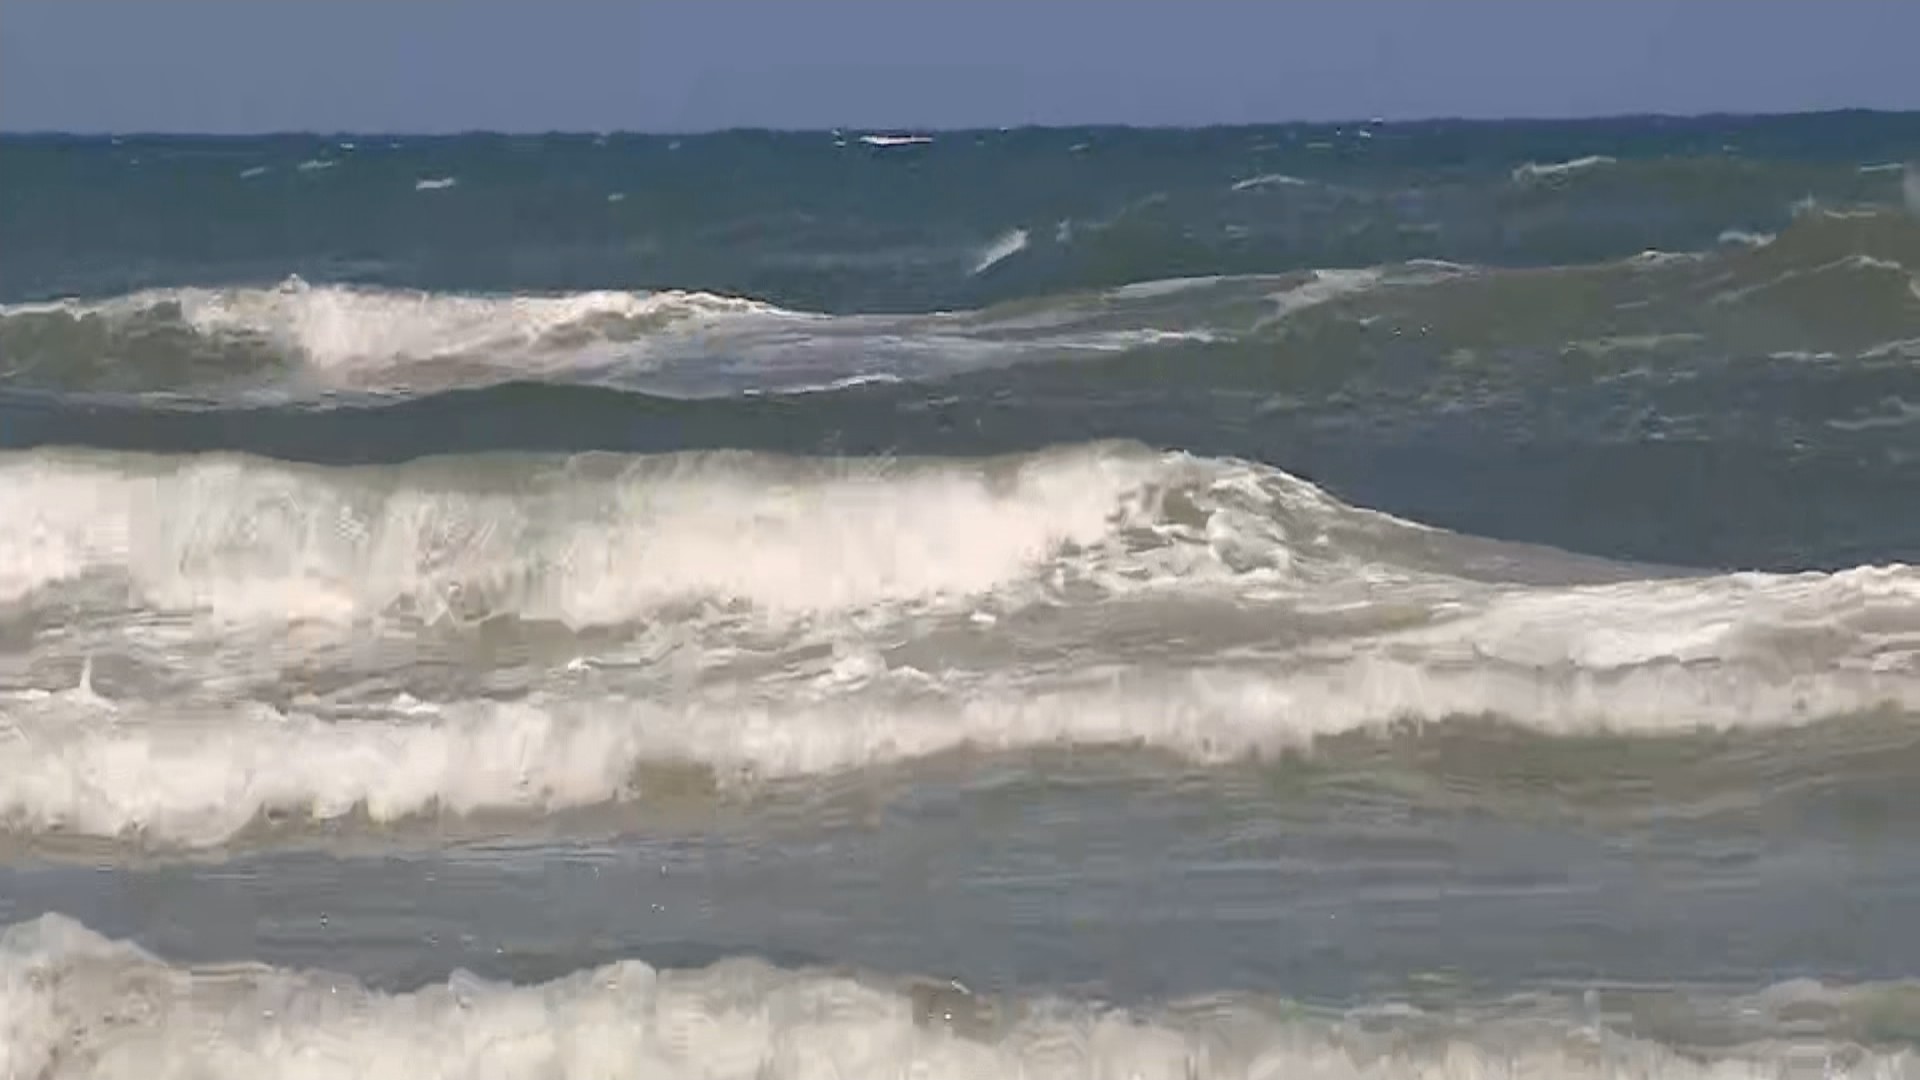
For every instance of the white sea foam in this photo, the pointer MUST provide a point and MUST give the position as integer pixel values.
(319, 164)
(896, 140)
(1278, 614)
(73, 1004)
(329, 338)
(880, 378)
(561, 540)
(81, 764)
(1895, 412)
(1267, 180)
(356, 337)
(257, 170)
(1320, 288)
(1745, 238)
(1535, 171)
(435, 183)
(1009, 244)
(1845, 264)
(1153, 290)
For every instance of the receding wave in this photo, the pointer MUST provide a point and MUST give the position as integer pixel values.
(761, 617)
(86, 1005)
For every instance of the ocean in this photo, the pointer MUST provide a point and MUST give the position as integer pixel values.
(1370, 600)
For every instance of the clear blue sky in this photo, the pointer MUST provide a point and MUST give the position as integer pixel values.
(414, 65)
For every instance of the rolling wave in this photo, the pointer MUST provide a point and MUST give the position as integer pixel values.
(332, 337)
(1008, 245)
(1831, 283)
(580, 541)
(1533, 171)
(80, 1002)
(763, 618)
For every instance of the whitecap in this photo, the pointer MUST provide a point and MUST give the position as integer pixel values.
(77, 998)
(1009, 244)
(1266, 180)
(834, 566)
(1321, 287)
(348, 336)
(1534, 171)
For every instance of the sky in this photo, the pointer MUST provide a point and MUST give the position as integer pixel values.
(232, 66)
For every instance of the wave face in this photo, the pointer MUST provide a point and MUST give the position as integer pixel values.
(66, 1011)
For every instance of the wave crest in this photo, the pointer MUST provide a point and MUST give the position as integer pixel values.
(786, 618)
(582, 541)
(80, 1002)
(351, 337)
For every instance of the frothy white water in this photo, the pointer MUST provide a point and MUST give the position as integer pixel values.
(579, 541)
(73, 1003)
(1642, 661)
(1320, 288)
(314, 340)
(787, 618)
(1535, 171)
(339, 329)
(198, 774)
(896, 140)
(351, 337)
(1102, 596)
(1010, 243)
(1267, 180)
(435, 183)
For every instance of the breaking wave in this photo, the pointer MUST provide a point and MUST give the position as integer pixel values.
(336, 337)
(1835, 282)
(765, 617)
(74, 1002)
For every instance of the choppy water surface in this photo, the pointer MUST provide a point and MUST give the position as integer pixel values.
(1381, 600)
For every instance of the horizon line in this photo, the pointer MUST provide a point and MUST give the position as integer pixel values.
(1374, 121)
